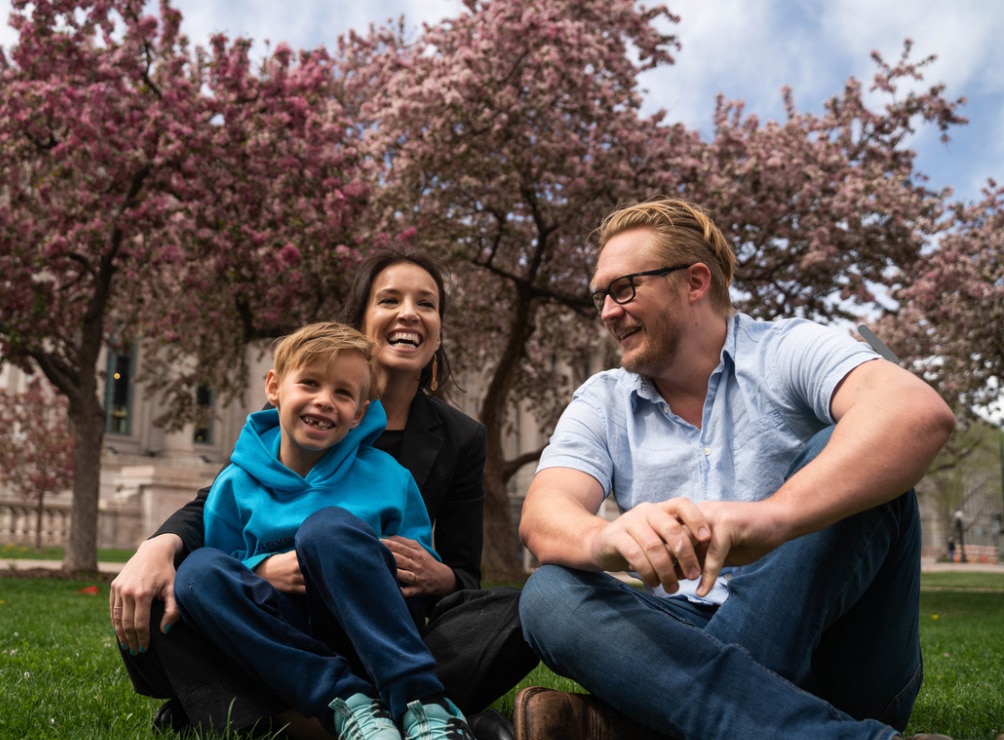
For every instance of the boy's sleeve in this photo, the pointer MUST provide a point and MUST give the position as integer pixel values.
(223, 522)
(415, 522)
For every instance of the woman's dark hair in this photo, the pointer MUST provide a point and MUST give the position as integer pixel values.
(354, 308)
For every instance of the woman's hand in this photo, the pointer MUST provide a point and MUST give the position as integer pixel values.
(148, 575)
(418, 573)
(283, 572)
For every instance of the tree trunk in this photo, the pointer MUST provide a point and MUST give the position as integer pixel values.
(502, 559)
(82, 545)
(501, 556)
(39, 510)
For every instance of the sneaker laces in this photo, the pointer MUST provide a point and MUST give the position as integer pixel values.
(435, 721)
(361, 717)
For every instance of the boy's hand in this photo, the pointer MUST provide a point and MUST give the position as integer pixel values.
(283, 572)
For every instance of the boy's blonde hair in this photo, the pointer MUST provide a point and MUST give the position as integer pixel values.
(321, 341)
(684, 234)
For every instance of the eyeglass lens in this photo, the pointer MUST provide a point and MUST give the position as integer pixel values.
(621, 290)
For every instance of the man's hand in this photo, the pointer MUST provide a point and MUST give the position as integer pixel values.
(148, 575)
(741, 532)
(283, 572)
(418, 573)
(662, 542)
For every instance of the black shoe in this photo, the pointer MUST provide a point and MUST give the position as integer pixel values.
(170, 716)
(490, 725)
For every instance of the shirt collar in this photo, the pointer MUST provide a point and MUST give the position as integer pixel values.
(731, 337)
(643, 388)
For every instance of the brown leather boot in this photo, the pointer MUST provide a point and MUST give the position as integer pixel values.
(545, 714)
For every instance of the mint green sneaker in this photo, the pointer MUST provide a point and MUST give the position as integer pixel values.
(435, 721)
(362, 717)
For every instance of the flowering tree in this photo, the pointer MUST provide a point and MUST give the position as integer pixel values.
(152, 192)
(267, 223)
(509, 131)
(36, 445)
(949, 319)
(825, 212)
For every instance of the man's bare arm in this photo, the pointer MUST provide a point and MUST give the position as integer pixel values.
(890, 425)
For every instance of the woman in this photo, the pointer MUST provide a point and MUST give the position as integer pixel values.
(398, 300)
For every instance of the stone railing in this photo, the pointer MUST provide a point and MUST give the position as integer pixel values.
(117, 525)
(18, 520)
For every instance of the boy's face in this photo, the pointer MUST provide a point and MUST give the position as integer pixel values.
(318, 404)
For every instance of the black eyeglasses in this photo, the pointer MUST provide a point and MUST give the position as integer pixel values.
(622, 289)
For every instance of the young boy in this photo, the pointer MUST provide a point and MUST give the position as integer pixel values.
(342, 646)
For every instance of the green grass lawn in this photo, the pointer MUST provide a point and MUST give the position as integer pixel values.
(61, 675)
(962, 636)
(11, 551)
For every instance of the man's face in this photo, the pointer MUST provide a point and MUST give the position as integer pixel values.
(648, 327)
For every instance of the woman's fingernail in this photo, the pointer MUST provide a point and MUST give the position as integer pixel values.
(167, 629)
(132, 652)
(122, 646)
(142, 649)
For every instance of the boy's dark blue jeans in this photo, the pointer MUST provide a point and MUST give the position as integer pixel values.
(352, 632)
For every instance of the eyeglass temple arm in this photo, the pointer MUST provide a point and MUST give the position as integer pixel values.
(877, 344)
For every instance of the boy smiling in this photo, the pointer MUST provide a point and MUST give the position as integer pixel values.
(341, 646)
(321, 396)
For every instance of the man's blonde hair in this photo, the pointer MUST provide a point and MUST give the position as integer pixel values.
(684, 234)
(321, 341)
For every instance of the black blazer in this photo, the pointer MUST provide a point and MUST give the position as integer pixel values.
(445, 451)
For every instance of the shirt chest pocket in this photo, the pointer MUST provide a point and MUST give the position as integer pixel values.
(760, 451)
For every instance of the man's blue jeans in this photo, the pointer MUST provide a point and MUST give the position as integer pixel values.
(352, 633)
(819, 638)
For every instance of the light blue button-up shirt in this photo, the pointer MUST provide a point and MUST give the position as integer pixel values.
(769, 394)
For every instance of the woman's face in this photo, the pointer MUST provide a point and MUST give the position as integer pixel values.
(402, 318)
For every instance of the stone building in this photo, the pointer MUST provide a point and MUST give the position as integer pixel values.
(146, 472)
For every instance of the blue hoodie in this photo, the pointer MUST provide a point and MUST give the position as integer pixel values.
(256, 504)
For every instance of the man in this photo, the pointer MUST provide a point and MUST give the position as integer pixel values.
(760, 469)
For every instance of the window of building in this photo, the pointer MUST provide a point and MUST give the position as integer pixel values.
(118, 392)
(203, 416)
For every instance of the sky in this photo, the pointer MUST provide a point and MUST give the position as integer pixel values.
(744, 49)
